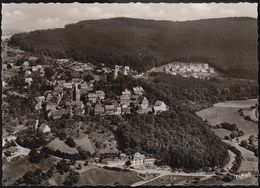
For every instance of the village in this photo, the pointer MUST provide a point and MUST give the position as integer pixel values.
(195, 70)
(68, 92)
(78, 97)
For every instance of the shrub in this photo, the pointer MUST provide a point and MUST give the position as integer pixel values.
(33, 178)
(34, 156)
(128, 163)
(62, 167)
(234, 134)
(86, 163)
(228, 126)
(228, 178)
(247, 118)
(70, 142)
(72, 178)
(240, 133)
(227, 138)
(244, 143)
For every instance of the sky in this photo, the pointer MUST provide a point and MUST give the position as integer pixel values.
(28, 17)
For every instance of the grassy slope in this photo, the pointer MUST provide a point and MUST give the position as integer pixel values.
(99, 176)
(229, 44)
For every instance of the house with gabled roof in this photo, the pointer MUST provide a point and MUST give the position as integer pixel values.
(125, 99)
(126, 92)
(134, 99)
(159, 106)
(68, 85)
(99, 109)
(118, 109)
(44, 128)
(100, 95)
(28, 80)
(138, 90)
(110, 109)
(143, 104)
(92, 97)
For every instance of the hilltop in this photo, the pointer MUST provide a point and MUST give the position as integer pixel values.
(227, 44)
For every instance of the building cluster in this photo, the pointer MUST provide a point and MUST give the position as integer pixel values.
(136, 160)
(125, 70)
(78, 97)
(196, 70)
(74, 65)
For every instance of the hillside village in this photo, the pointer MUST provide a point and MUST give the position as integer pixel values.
(70, 91)
(195, 70)
(78, 97)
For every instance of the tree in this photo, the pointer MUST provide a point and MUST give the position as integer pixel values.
(88, 77)
(70, 142)
(86, 163)
(251, 139)
(49, 72)
(9, 66)
(128, 163)
(72, 178)
(62, 167)
(50, 172)
(244, 143)
(227, 138)
(233, 134)
(34, 156)
(62, 135)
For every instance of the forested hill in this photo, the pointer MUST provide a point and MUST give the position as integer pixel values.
(228, 44)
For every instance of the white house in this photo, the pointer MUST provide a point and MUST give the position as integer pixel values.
(68, 85)
(100, 94)
(34, 68)
(138, 90)
(44, 128)
(159, 106)
(206, 66)
(126, 92)
(28, 80)
(39, 66)
(138, 159)
(27, 72)
(149, 161)
(211, 70)
(26, 63)
(126, 70)
(4, 83)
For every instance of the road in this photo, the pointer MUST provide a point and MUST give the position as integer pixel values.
(166, 173)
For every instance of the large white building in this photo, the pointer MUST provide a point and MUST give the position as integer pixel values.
(140, 159)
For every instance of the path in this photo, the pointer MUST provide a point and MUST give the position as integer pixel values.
(165, 173)
(229, 165)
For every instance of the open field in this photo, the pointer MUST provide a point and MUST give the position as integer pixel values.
(221, 132)
(222, 112)
(237, 104)
(228, 112)
(58, 144)
(18, 167)
(251, 113)
(85, 143)
(247, 182)
(104, 141)
(15, 169)
(102, 177)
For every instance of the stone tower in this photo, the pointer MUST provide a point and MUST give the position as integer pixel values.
(116, 71)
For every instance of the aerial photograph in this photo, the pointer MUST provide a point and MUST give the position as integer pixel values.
(130, 94)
